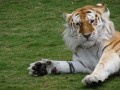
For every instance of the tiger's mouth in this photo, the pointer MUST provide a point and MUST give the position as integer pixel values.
(88, 43)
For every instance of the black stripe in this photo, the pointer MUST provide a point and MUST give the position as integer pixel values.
(72, 69)
(86, 66)
(82, 64)
(76, 14)
(106, 47)
(108, 31)
(116, 44)
(102, 20)
(76, 54)
(97, 52)
(117, 50)
(91, 68)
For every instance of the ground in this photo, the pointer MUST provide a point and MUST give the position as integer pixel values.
(31, 30)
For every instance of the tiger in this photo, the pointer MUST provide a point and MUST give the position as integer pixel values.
(91, 36)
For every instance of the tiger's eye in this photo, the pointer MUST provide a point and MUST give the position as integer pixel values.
(88, 12)
(78, 23)
(91, 21)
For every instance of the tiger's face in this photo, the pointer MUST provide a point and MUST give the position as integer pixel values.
(85, 24)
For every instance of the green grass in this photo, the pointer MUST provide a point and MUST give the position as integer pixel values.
(31, 30)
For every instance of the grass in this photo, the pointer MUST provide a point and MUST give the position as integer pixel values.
(31, 30)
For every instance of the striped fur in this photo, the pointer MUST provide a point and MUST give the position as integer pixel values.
(95, 44)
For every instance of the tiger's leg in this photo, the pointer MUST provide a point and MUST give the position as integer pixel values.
(108, 65)
(45, 66)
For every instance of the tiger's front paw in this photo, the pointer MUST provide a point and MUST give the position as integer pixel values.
(39, 68)
(92, 80)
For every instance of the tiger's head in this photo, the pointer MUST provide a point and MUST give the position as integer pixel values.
(88, 25)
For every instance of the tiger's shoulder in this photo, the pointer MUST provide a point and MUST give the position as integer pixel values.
(115, 37)
(113, 44)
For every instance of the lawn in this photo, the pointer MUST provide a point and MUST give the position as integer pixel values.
(31, 30)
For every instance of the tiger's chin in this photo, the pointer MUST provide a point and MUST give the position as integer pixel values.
(88, 44)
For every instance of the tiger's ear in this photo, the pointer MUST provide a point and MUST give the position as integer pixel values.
(102, 8)
(66, 16)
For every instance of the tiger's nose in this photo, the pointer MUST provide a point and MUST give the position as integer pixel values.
(87, 36)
